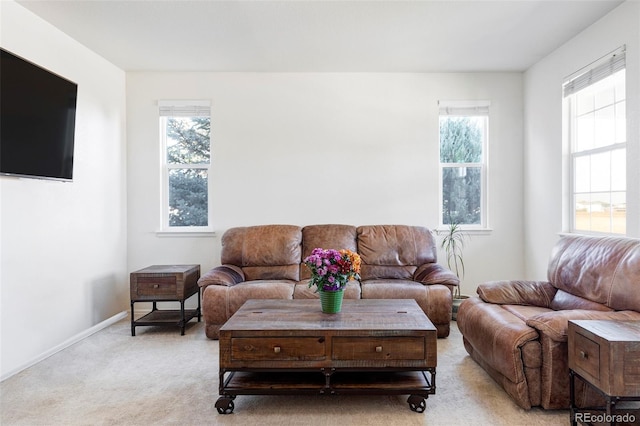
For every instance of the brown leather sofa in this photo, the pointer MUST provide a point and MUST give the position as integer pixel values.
(517, 330)
(265, 262)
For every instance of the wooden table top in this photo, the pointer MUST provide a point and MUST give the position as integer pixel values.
(306, 314)
(612, 331)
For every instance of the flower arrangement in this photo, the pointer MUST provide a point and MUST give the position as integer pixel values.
(331, 269)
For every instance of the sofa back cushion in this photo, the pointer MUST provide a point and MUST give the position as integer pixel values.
(265, 252)
(335, 237)
(394, 251)
(563, 301)
(605, 270)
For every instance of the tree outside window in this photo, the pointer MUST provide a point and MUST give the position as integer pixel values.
(186, 132)
(188, 145)
(463, 133)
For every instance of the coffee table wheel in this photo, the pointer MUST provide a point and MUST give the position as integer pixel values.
(225, 405)
(417, 403)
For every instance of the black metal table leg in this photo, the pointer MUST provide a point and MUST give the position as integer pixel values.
(133, 327)
(572, 398)
(182, 321)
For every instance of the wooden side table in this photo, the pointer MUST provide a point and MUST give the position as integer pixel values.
(164, 283)
(606, 355)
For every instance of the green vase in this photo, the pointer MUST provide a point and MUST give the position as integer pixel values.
(331, 301)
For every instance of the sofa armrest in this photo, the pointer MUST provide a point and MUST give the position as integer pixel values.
(434, 273)
(226, 275)
(554, 324)
(534, 293)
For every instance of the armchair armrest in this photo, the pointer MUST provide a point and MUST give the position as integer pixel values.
(434, 273)
(535, 293)
(226, 275)
(554, 324)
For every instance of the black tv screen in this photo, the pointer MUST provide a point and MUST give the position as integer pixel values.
(37, 120)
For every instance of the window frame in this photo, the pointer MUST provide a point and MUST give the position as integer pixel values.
(478, 108)
(182, 108)
(603, 68)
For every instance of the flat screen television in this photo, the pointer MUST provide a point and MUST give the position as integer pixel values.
(37, 120)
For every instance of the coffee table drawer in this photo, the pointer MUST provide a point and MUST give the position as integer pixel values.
(277, 348)
(378, 348)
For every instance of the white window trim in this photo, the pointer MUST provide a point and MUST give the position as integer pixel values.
(598, 70)
(190, 108)
(465, 109)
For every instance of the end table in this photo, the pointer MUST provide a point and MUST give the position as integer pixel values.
(606, 355)
(164, 283)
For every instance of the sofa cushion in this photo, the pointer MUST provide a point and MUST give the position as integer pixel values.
(271, 252)
(335, 237)
(302, 291)
(279, 272)
(563, 300)
(392, 289)
(555, 323)
(258, 289)
(605, 270)
(394, 251)
(524, 312)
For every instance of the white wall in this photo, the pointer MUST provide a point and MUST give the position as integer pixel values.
(543, 153)
(63, 245)
(306, 148)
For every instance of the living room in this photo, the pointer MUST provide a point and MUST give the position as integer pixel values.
(68, 248)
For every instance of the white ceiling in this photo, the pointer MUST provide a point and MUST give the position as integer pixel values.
(322, 36)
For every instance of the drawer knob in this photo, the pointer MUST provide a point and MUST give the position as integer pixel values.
(378, 349)
(584, 355)
(156, 286)
(276, 349)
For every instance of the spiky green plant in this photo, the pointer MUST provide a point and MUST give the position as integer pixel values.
(453, 245)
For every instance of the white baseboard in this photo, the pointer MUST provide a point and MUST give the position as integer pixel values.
(75, 339)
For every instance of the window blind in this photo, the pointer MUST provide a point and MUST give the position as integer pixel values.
(464, 108)
(599, 70)
(184, 108)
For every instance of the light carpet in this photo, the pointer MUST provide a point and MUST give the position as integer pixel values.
(162, 378)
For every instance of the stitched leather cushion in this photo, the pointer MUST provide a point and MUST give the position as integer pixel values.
(335, 237)
(605, 270)
(269, 252)
(394, 251)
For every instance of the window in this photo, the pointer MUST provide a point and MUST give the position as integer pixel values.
(185, 128)
(464, 129)
(595, 124)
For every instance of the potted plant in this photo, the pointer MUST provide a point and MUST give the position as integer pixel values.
(331, 271)
(453, 245)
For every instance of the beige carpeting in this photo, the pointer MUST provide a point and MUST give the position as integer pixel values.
(162, 378)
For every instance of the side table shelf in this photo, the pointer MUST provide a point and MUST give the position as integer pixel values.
(165, 283)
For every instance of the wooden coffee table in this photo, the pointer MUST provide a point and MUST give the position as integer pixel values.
(280, 347)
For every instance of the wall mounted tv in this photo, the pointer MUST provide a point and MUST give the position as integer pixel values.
(37, 120)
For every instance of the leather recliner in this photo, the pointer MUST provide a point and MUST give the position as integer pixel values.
(517, 330)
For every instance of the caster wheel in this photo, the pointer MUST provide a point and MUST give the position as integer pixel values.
(225, 405)
(417, 403)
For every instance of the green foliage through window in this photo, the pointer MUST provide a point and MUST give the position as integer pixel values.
(461, 143)
(188, 157)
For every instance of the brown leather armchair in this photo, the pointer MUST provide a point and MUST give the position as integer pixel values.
(517, 330)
